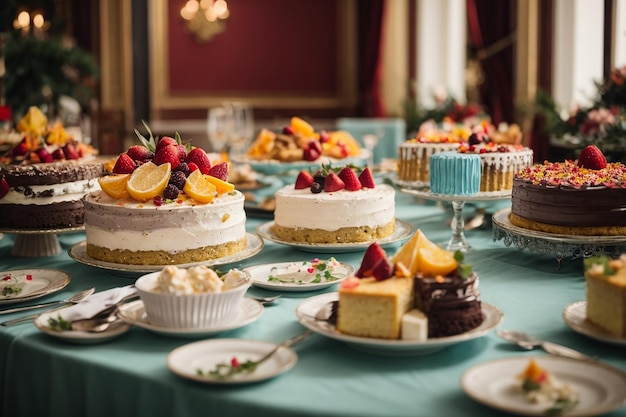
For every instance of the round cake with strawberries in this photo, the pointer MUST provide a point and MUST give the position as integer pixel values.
(164, 203)
(334, 206)
(583, 197)
(44, 177)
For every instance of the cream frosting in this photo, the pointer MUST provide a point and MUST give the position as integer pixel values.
(50, 194)
(173, 227)
(334, 210)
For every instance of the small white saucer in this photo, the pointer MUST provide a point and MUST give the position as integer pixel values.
(261, 277)
(80, 337)
(189, 360)
(575, 315)
(493, 383)
(134, 313)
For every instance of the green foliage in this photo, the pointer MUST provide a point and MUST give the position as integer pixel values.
(39, 70)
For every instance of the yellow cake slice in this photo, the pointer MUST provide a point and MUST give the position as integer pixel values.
(374, 308)
(606, 293)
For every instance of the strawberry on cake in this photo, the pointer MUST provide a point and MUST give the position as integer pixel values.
(164, 203)
(334, 206)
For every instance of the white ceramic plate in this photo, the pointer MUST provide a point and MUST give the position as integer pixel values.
(134, 313)
(575, 315)
(275, 167)
(79, 337)
(307, 310)
(186, 360)
(261, 276)
(43, 282)
(78, 252)
(402, 231)
(600, 387)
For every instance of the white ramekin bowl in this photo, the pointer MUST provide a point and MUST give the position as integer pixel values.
(189, 311)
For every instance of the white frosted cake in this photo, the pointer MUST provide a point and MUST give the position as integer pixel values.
(454, 173)
(341, 216)
(130, 232)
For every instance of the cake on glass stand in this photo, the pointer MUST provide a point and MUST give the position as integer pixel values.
(457, 241)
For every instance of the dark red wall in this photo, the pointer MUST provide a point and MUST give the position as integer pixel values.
(269, 46)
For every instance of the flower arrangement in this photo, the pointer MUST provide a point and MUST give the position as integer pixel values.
(603, 123)
(446, 110)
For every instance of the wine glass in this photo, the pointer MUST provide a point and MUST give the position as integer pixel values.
(242, 126)
(219, 127)
(371, 140)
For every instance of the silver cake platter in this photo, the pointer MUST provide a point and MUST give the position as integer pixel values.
(559, 245)
(35, 243)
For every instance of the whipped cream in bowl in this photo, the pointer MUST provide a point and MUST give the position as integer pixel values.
(192, 298)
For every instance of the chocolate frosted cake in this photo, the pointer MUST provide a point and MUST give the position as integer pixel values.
(46, 195)
(564, 198)
(451, 303)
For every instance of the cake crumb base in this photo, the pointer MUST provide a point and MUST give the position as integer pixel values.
(342, 235)
(128, 257)
(567, 230)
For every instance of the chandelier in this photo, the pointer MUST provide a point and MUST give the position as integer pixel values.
(205, 18)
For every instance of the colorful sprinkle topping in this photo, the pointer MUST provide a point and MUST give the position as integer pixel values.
(569, 174)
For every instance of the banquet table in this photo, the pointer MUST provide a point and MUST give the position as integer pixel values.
(128, 376)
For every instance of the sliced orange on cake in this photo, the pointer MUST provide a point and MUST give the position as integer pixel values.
(435, 261)
(200, 187)
(148, 181)
(220, 186)
(115, 185)
(408, 253)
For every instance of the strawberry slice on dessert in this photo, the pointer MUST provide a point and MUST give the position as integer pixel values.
(304, 180)
(219, 171)
(348, 176)
(333, 183)
(373, 254)
(366, 178)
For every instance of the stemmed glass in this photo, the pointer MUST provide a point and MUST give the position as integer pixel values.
(371, 140)
(242, 126)
(219, 127)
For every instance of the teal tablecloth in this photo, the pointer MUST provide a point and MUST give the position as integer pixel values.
(41, 375)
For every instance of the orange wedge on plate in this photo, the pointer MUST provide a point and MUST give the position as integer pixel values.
(200, 187)
(148, 181)
(115, 186)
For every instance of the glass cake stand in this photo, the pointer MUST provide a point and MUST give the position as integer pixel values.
(458, 240)
(559, 245)
(38, 242)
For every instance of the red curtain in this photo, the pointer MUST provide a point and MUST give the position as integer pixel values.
(490, 21)
(370, 18)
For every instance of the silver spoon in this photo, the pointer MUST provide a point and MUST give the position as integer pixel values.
(76, 298)
(528, 342)
(266, 300)
(98, 325)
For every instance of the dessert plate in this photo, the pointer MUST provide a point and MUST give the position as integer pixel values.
(292, 276)
(494, 383)
(402, 231)
(275, 167)
(307, 310)
(195, 360)
(78, 252)
(80, 337)
(42, 282)
(134, 313)
(575, 316)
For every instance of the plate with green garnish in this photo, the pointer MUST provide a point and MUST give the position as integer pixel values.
(307, 275)
(20, 285)
(230, 361)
